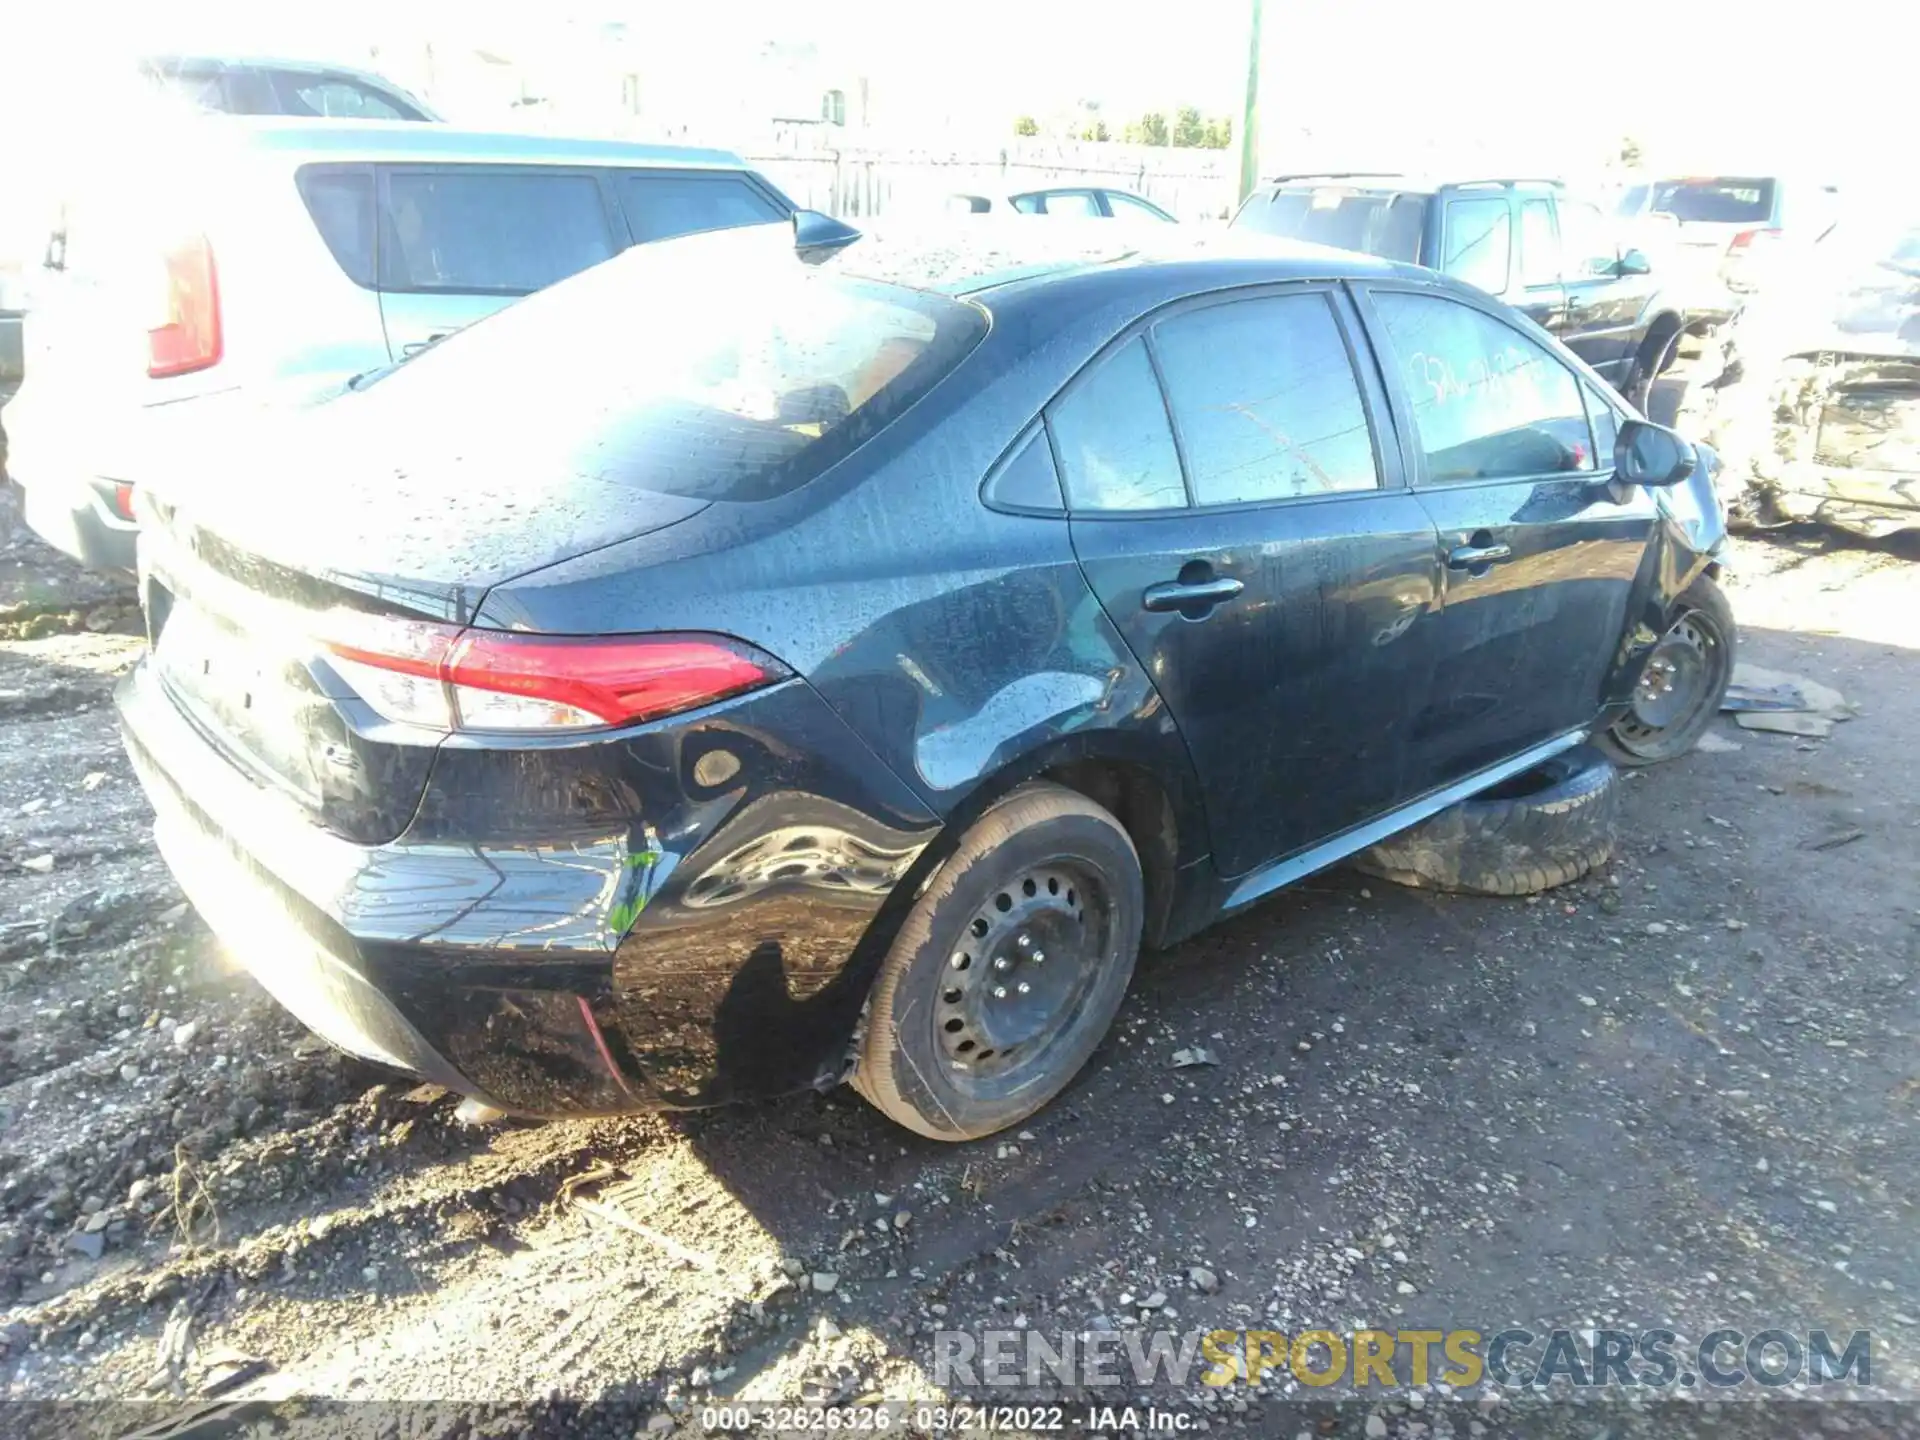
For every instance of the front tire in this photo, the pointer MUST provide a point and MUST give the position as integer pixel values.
(1685, 679)
(1008, 971)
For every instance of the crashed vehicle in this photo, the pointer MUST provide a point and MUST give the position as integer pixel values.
(720, 675)
(1825, 420)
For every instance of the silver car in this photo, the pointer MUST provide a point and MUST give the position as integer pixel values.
(227, 262)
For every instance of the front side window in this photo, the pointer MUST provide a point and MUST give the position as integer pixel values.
(1115, 445)
(661, 205)
(1265, 400)
(1606, 426)
(337, 99)
(490, 232)
(1592, 247)
(1488, 402)
(1479, 241)
(1126, 207)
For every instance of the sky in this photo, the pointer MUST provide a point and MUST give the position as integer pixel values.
(1365, 83)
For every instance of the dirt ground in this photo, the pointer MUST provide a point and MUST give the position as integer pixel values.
(1684, 1092)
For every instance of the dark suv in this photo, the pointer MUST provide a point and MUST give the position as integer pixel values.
(1557, 259)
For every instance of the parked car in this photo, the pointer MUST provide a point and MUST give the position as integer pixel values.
(1825, 417)
(249, 85)
(1080, 202)
(1751, 226)
(1554, 257)
(717, 675)
(278, 258)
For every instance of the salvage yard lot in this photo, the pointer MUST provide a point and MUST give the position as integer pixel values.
(1684, 1092)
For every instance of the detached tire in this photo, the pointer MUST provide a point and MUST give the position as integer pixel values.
(1008, 971)
(1546, 827)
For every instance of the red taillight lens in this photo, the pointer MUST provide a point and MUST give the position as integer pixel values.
(1746, 237)
(123, 501)
(189, 338)
(506, 681)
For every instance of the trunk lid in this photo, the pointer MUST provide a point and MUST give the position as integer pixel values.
(243, 567)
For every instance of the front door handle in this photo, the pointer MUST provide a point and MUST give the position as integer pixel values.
(1477, 557)
(1201, 595)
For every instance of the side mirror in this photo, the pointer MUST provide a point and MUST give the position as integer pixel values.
(1651, 455)
(816, 236)
(1633, 261)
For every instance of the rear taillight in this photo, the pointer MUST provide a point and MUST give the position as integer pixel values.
(506, 681)
(188, 338)
(1746, 238)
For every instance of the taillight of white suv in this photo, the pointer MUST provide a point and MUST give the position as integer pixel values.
(188, 339)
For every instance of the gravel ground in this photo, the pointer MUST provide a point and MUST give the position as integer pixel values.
(1683, 1092)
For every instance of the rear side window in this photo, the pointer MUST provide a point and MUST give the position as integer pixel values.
(492, 232)
(1115, 445)
(1265, 400)
(341, 204)
(1722, 199)
(1479, 242)
(1384, 224)
(662, 204)
(1489, 403)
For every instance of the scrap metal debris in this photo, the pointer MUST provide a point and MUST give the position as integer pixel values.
(1833, 841)
(1194, 1055)
(1784, 704)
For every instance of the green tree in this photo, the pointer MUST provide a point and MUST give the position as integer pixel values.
(1026, 125)
(1219, 134)
(1629, 152)
(1187, 127)
(1098, 130)
(1149, 129)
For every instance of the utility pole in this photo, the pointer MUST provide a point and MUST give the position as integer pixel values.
(1250, 118)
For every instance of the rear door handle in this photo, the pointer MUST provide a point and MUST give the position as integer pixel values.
(1477, 557)
(1190, 595)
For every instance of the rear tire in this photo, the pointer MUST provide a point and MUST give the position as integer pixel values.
(1546, 827)
(1009, 969)
(1686, 678)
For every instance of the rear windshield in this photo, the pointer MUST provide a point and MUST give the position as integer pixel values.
(715, 367)
(1723, 199)
(1387, 225)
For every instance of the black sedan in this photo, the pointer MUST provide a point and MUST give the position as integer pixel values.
(721, 674)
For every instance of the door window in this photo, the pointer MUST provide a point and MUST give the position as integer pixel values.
(1479, 240)
(1265, 400)
(1126, 207)
(484, 231)
(1592, 246)
(1489, 403)
(1115, 445)
(1539, 244)
(342, 99)
(1069, 202)
(660, 205)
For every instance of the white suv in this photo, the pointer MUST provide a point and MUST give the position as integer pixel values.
(236, 261)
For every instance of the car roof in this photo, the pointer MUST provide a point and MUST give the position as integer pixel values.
(340, 139)
(1403, 183)
(973, 260)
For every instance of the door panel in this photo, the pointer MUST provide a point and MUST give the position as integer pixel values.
(1541, 545)
(1234, 527)
(1297, 695)
(1525, 639)
(1604, 319)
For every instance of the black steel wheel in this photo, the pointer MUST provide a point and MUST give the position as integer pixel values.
(1009, 969)
(1685, 679)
